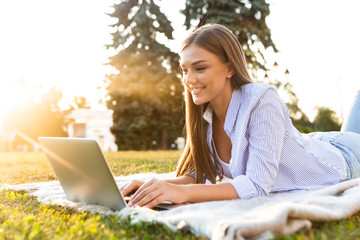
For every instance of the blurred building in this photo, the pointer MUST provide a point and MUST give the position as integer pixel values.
(88, 123)
(180, 142)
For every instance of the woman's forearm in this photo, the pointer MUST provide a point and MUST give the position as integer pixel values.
(209, 192)
(204, 192)
(181, 180)
(180, 190)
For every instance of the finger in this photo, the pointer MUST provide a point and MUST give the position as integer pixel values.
(143, 187)
(130, 193)
(148, 198)
(149, 193)
(123, 186)
(141, 194)
(126, 189)
(130, 188)
(155, 201)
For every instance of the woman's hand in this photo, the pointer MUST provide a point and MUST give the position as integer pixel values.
(130, 187)
(154, 192)
(180, 190)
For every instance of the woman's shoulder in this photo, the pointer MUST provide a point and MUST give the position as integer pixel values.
(255, 89)
(256, 94)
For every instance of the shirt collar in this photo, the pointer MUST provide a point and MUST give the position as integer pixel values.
(208, 114)
(231, 113)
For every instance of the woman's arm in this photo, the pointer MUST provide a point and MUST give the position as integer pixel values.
(265, 138)
(156, 191)
(132, 186)
(210, 192)
(181, 180)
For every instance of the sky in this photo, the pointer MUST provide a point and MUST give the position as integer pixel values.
(319, 44)
(62, 44)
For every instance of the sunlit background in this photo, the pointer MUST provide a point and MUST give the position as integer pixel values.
(46, 44)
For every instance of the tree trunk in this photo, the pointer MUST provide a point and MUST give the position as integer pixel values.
(162, 139)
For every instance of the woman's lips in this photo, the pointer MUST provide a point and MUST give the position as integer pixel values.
(196, 90)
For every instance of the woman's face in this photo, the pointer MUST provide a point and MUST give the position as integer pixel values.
(205, 76)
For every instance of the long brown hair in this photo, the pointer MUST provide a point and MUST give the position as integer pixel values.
(220, 41)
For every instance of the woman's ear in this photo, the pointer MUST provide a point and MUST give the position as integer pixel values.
(230, 72)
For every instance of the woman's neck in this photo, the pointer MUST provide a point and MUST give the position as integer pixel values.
(220, 107)
(220, 114)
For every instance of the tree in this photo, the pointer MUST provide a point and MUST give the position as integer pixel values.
(325, 120)
(79, 102)
(246, 19)
(146, 93)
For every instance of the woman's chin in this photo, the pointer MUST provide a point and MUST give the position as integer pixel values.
(198, 101)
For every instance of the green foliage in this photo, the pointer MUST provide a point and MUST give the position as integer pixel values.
(79, 102)
(246, 19)
(146, 93)
(325, 120)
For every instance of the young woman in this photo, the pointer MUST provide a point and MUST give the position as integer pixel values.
(241, 131)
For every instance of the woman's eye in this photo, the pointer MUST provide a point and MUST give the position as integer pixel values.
(200, 69)
(184, 71)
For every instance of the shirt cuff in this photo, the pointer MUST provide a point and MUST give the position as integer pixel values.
(245, 188)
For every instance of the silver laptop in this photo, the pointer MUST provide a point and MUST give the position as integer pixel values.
(84, 173)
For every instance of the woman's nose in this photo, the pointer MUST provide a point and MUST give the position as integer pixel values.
(189, 78)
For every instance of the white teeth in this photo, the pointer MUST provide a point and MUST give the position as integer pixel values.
(195, 90)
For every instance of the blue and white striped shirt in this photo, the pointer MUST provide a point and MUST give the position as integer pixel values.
(268, 153)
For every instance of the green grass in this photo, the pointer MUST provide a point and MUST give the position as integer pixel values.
(17, 167)
(23, 217)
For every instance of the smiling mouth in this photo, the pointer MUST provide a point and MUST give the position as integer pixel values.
(196, 90)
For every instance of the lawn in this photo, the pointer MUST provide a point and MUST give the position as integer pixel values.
(22, 217)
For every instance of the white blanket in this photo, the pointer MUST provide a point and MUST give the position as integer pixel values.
(258, 218)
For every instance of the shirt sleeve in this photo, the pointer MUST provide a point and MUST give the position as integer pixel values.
(266, 132)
